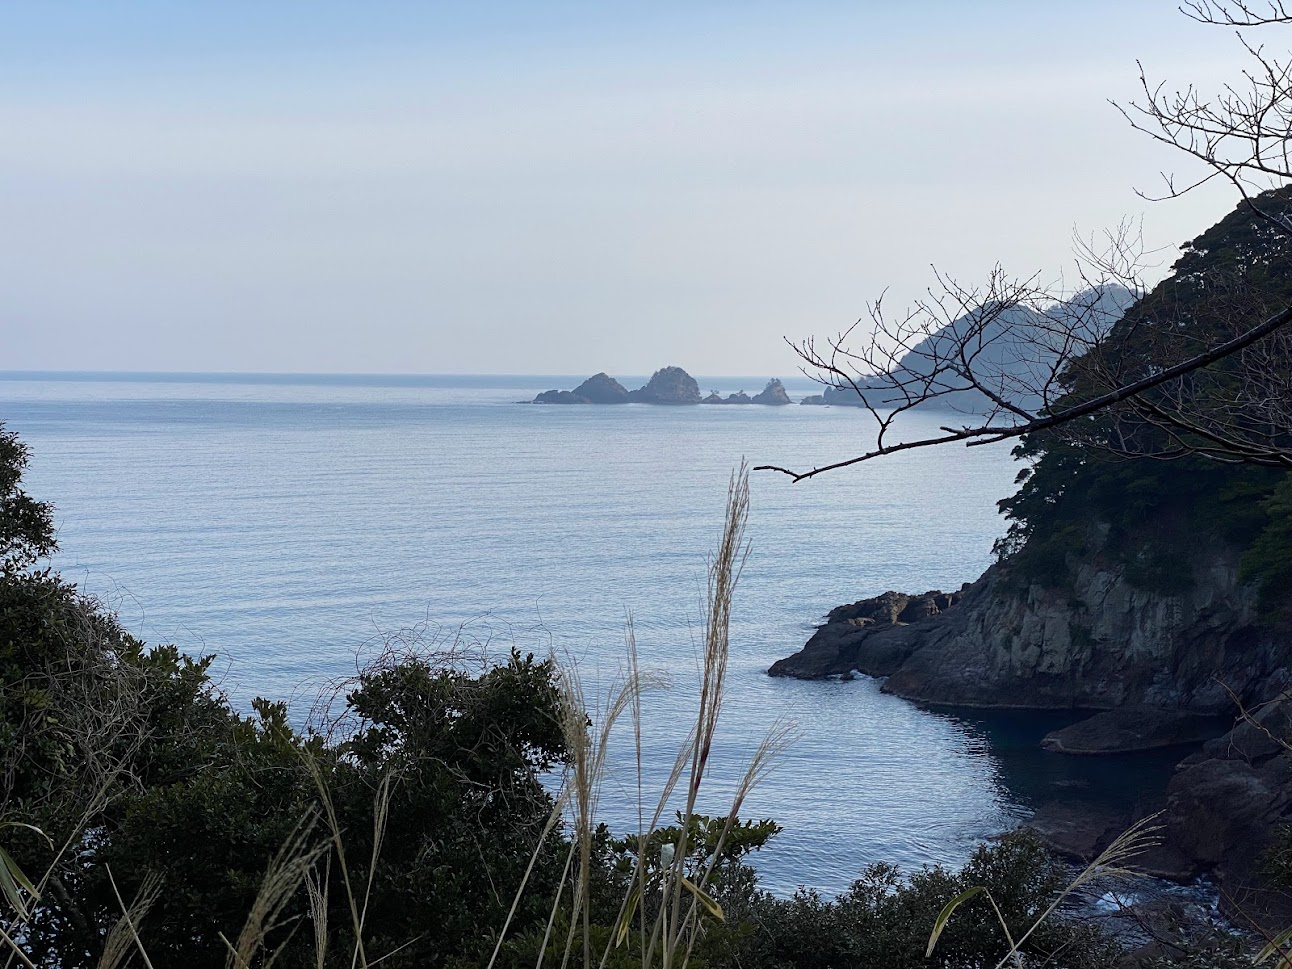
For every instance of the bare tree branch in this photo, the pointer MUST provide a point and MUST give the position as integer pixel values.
(1165, 383)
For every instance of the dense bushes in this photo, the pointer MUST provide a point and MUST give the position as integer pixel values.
(884, 919)
(136, 767)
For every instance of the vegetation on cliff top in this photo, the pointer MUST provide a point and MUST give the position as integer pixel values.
(1156, 492)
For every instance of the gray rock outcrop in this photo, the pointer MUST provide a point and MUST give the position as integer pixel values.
(602, 389)
(740, 397)
(560, 397)
(1101, 642)
(773, 394)
(1165, 666)
(669, 385)
(1226, 807)
(869, 636)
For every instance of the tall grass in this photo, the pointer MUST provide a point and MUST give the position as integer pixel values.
(665, 907)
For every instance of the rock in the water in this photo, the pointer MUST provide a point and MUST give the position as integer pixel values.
(671, 385)
(602, 389)
(560, 397)
(1225, 808)
(814, 399)
(870, 635)
(713, 398)
(1130, 728)
(774, 393)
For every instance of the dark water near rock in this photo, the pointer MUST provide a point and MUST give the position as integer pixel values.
(288, 524)
(1124, 782)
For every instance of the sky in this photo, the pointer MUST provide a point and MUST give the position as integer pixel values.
(552, 187)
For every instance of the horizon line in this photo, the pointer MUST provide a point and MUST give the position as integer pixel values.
(9, 374)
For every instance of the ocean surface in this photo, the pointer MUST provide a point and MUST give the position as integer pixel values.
(294, 526)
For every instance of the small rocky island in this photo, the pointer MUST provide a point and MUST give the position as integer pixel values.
(670, 386)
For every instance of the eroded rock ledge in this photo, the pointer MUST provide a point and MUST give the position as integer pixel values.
(1098, 644)
(866, 636)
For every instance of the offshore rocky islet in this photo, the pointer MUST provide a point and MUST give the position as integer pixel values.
(667, 386)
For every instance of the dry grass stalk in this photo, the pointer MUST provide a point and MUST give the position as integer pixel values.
(316, 889)
(15, 951)
(119, 942)
(724, 573)
(128, 918)
(670, 934)
(1111, 863)
(359, 957)
(286, 873)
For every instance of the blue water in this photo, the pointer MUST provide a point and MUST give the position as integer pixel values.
(292, 524)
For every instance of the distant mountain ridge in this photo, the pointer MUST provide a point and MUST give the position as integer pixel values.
(1017, 350)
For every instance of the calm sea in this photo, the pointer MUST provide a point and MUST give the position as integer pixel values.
(290, 525)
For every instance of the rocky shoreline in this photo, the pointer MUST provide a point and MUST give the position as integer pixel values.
(1157, 672)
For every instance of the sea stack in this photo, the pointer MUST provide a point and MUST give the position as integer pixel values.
(671, 385)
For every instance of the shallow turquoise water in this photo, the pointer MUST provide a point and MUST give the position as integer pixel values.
(290, 525)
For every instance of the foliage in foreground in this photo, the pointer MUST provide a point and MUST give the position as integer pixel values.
(410, 826)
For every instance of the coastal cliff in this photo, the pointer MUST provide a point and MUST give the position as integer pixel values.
(1156, 592)
(1100, 643)
(1172, 669)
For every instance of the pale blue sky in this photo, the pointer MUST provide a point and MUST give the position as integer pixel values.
(549, 187)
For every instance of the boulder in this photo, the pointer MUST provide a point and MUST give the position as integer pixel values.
(671, 385)
(602, 389)
(713, 398)
(1262, 735)
(1225, 815)
(1130, 728)
(774, 394)
(815, 400)
(883, 608)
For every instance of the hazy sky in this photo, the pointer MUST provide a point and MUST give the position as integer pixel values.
(550, 187)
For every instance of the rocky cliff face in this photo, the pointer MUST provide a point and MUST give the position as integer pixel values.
(1099, 643)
